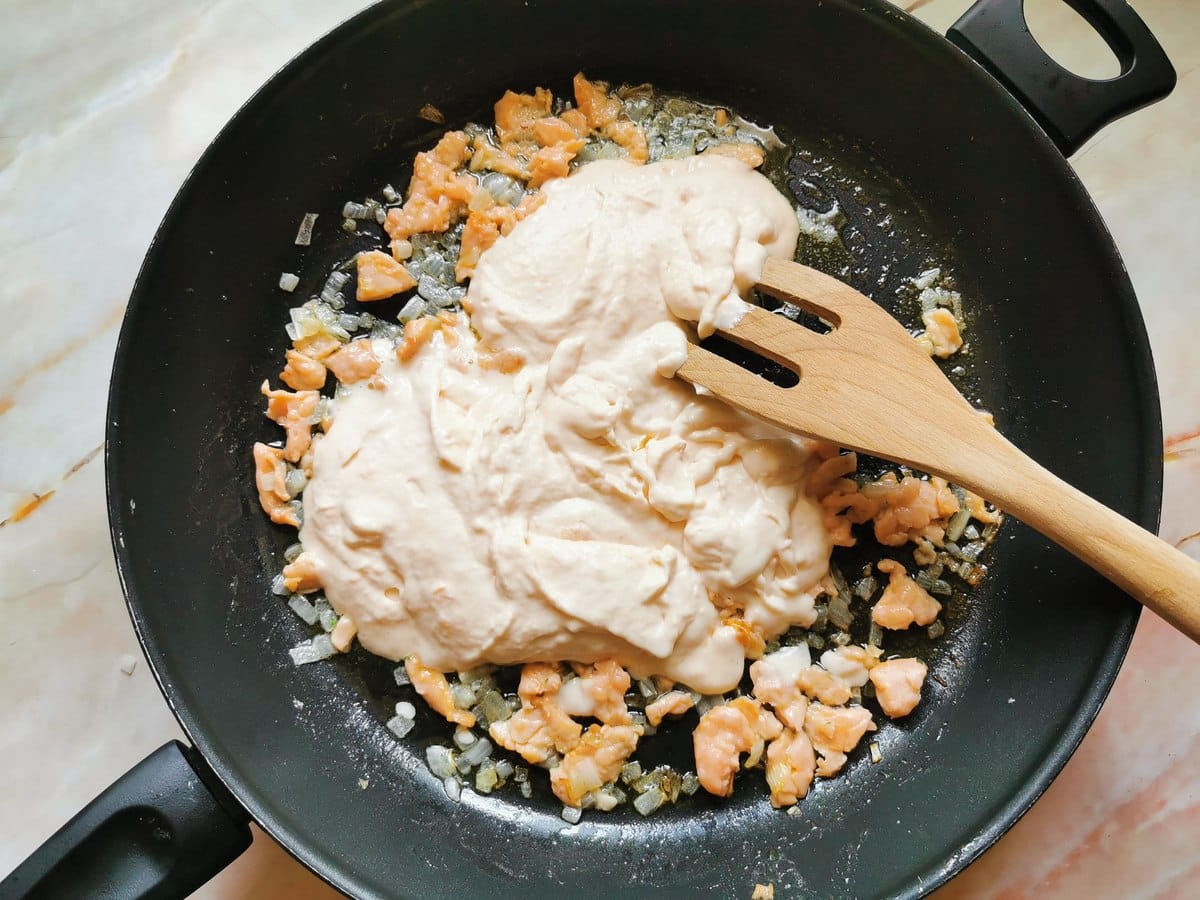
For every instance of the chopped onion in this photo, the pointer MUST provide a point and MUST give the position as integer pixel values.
(406, 709)
(526, 790)
(390, 194)
(319, 648)
(292, 551)
(328, 619)
(504, 769)
(865, 587)
(304, 234)
(400, 726)
(413, 309)
(486, 778)
(401, 675)
(440, 760)
(689, 783)
(464, 697)
(572, 814)
(453, 787)
(464, 738)
(277, 587)
(295, 482)
(649, 801)
(957, 524)
(476, 753)
(288, 282)
(302, 608)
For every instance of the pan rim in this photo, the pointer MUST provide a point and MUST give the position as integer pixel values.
(1148, 487)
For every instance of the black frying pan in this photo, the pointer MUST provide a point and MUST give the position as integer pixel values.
(951, 168)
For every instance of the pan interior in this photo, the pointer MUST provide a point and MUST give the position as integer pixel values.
(931, 165)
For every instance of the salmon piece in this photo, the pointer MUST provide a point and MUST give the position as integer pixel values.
(779, 688)
(576, 121)
(553, 130)
(526, 732)
(943, 330)
(605, 683)
(529, 204)
(540, 727)
(594, 762)
(947, 503)
(300, 575)
(904, 602)
(980, 512)
(343, 634)
(834, 732)
(435, 690)
(485, 227)
(270, 477)
(898, 684)
(380, 276)
(416, 334)
(629, 136)
(294, 411)
(506, 362)
(493, 159)
(438, 192)
(791, 765)
(302, 373)
(515, 116)
(419, 214)
(750, 154)
(593, 100)
(354, 362)
(751, 639)
(478, 235)
(724, 733)
(850, 664)
(306, 461)
(820, 685)
(317, 346)
(553, 162)
(672, 703)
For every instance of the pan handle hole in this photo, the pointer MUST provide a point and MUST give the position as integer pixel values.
(1071, 40)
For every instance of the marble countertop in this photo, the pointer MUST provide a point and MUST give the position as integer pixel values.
(105, 107)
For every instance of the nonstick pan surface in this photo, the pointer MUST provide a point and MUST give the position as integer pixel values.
(931, 161)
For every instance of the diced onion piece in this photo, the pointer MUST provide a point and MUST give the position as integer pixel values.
(440, 760)
(302, 608)
(400, 726)
(304, 234)
(288, 282)
(572, 814)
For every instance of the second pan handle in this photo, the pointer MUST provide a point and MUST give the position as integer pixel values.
(1068, 107)
(157, 833)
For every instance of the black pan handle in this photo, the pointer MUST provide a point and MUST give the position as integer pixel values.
(157, 833)
(1069, 108)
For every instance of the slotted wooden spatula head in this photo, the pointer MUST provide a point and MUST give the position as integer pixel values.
(867, 385)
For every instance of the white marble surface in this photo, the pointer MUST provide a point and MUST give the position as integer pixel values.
(104, 107)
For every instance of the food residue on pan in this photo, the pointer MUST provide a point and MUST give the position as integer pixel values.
(512, 477)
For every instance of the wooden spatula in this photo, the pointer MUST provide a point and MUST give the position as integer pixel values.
(868, 386)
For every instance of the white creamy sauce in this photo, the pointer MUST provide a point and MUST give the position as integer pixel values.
(588, 505)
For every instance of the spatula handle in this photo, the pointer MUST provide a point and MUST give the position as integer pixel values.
(1146, 567)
